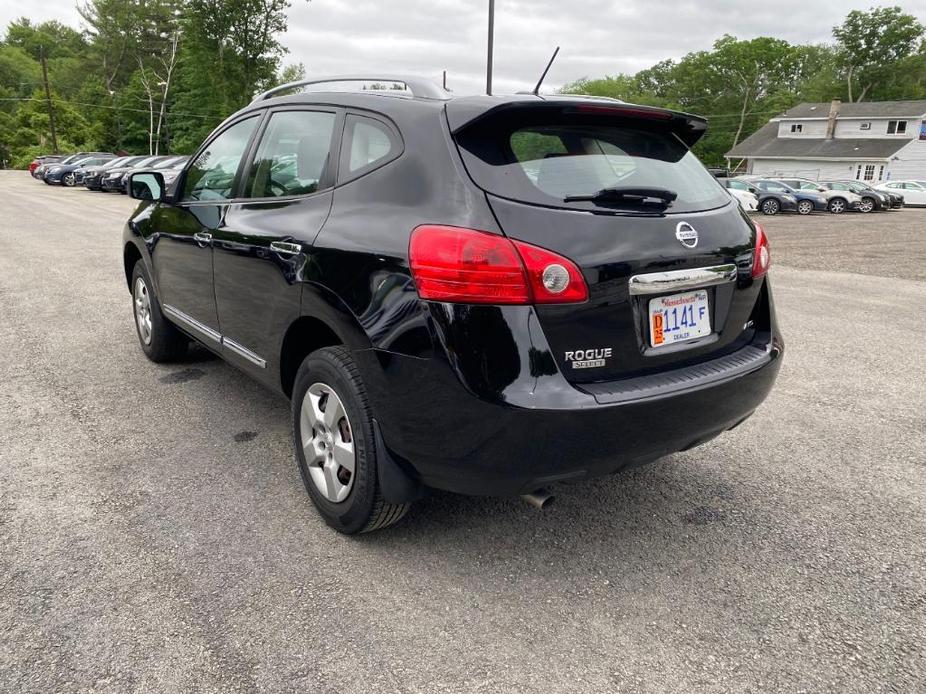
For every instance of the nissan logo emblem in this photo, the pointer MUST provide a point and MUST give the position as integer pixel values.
(686, 234)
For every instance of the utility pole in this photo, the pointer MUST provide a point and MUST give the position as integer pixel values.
(491, 47)
(51, 106)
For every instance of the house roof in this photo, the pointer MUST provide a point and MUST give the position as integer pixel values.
(863, 109)
(766, 143)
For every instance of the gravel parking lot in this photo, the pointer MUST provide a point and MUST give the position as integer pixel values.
(155, 534)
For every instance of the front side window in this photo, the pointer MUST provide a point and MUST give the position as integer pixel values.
(212, 175)
(293, 155)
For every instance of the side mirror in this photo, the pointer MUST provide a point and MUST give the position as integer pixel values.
(148, 185)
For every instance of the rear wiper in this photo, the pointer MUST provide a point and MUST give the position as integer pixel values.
(642, 196)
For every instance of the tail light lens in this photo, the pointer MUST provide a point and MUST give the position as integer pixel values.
(762, 258)
(475, 267)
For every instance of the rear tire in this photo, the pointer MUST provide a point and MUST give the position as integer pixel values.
(837, 206)
(159, 339)
(867, 205)
(327, 442)
(69, 180)
(771, 207)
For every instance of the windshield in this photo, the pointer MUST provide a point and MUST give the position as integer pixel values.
(546, 164)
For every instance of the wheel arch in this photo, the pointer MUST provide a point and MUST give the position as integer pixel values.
(324, 322)
(130, 256)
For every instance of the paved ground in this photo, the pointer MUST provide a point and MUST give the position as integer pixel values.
(155, 536)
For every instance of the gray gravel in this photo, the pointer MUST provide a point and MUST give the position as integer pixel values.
(155, 535)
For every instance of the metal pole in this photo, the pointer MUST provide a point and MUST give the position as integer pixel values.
(491, 47)
(51, 107)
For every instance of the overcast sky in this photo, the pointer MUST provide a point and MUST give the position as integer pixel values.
(597, 37)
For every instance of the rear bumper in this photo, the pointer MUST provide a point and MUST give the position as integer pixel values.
(532, 427)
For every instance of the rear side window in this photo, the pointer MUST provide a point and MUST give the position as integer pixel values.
(547, 163)
(293, 155)
(369, 144)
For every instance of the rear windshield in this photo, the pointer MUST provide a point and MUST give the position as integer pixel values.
(544, 164)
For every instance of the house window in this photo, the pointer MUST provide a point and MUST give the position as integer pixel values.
(797, 127)
(896, 127)
(864, 126)
(881, 172)
(869, 172)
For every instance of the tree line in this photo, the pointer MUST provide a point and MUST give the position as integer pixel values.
(739, 84)
(158, 75)
(138, 76)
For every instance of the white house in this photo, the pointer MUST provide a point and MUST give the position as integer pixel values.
(869, 141)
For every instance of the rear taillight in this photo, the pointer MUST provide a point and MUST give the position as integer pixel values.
(762, 259)
(475, 267)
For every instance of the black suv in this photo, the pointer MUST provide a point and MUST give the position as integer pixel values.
(485, 295)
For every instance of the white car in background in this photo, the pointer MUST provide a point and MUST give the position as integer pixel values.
(747, 200)
(914, 192)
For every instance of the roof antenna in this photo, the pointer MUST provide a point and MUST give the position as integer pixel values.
(536, 91)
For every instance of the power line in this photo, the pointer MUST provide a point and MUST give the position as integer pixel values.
(114, 108)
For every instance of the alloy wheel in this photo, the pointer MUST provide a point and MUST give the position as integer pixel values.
(804, 207)
(837, 206)
(69, 180)
(327, 442)
(770, 207)
(866, 205)
(143, 310)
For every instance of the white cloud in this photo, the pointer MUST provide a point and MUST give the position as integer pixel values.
(597, 37)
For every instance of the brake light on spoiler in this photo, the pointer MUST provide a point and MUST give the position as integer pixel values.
(467, 266)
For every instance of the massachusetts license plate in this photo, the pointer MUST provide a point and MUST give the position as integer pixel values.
(678, 318)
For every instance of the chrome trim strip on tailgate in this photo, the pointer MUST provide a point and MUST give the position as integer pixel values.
(192, 323)
(680, 280)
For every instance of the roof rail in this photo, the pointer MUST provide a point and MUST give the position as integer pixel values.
(592, 97)
(419, 87)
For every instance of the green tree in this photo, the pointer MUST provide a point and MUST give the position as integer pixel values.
(871, 44)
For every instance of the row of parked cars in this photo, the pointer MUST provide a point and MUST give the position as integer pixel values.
(803, 196)
(103, 171)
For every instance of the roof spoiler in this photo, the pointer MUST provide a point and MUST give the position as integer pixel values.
(464, 113)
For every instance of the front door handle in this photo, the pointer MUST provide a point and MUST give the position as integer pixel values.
(284, 248)
(202, 238)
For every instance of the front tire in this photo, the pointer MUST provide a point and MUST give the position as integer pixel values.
(866, 205)
(837, 206)
(771, 207)
(804, 207)
(334, 445)
(159, 339)
(69, 180)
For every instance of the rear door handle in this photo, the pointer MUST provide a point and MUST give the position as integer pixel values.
(202, 238)
(284, 248)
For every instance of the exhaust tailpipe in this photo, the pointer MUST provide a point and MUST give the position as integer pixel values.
(539, 499)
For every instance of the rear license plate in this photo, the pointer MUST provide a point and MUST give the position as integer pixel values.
(678, 318)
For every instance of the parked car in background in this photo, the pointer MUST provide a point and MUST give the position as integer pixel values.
(93, 175)
(914, 192)
(768, 203)
(41, 169)
(65, 174)
(163, 163)
(870, 200)
(114, 179)
(43, 159)
(773, 197)
(846, 199)
(393, 268)
(807, 200)
(172, 171)
(747, 196)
